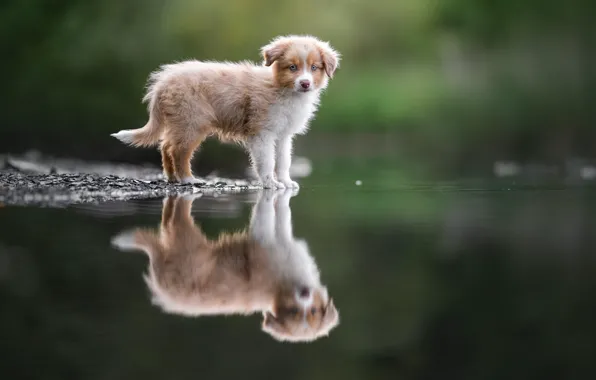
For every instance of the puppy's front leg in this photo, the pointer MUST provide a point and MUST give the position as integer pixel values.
(262, 222)
(284, 161)
(283, 217)
(262, 152)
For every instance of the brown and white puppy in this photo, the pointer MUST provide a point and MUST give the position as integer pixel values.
(264, 269)
(260, 106)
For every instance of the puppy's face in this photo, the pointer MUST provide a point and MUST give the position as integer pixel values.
(301, 63)
(304, 314)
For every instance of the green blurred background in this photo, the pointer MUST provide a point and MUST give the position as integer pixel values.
(451, 283)
(454, 83)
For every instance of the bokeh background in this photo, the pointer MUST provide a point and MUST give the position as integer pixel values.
(451, 84)
(440, 283)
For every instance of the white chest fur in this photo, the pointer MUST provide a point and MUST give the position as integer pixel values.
(292, 113)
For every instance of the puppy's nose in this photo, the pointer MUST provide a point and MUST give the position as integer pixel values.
(304, 292)
(305, 84)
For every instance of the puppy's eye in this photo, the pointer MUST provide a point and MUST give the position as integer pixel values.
(313, 68)
(313, 311)
(293, 68)
(294, 310)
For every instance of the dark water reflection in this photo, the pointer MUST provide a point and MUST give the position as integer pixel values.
(264, 269)
(427, 284)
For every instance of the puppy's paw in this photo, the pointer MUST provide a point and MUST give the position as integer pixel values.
(289, 184)
(269, 195)
(271, 183)
(190, 180)
(288, 193)
(169, 177)
(192, 196)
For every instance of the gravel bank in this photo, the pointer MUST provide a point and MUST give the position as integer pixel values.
(27, 181)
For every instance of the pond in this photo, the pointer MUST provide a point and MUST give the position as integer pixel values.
(461, 280)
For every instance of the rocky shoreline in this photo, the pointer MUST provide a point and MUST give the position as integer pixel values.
(31, 181)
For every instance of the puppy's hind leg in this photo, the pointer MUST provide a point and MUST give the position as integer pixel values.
(182, 217)
(167, 161)
(182, 152)
(167, 211)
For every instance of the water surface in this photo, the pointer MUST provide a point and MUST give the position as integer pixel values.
(465, 280)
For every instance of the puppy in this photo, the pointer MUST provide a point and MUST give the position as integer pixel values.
(261, 107)
(264, 269)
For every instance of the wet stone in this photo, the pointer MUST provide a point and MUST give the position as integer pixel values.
(59, 190)
(32, 179)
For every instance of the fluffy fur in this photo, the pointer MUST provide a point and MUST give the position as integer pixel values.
(261, 106)
(264, 269)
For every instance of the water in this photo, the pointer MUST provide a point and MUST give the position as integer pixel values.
(480, 280)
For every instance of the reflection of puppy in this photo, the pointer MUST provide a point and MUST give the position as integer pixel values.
(264, 269)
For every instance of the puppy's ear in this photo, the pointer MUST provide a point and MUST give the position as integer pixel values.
(271, 325)
(273, 51)
(331, 316)
(331, 59)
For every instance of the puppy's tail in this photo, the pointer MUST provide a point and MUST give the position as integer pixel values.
(147, 136)
(150, 134)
